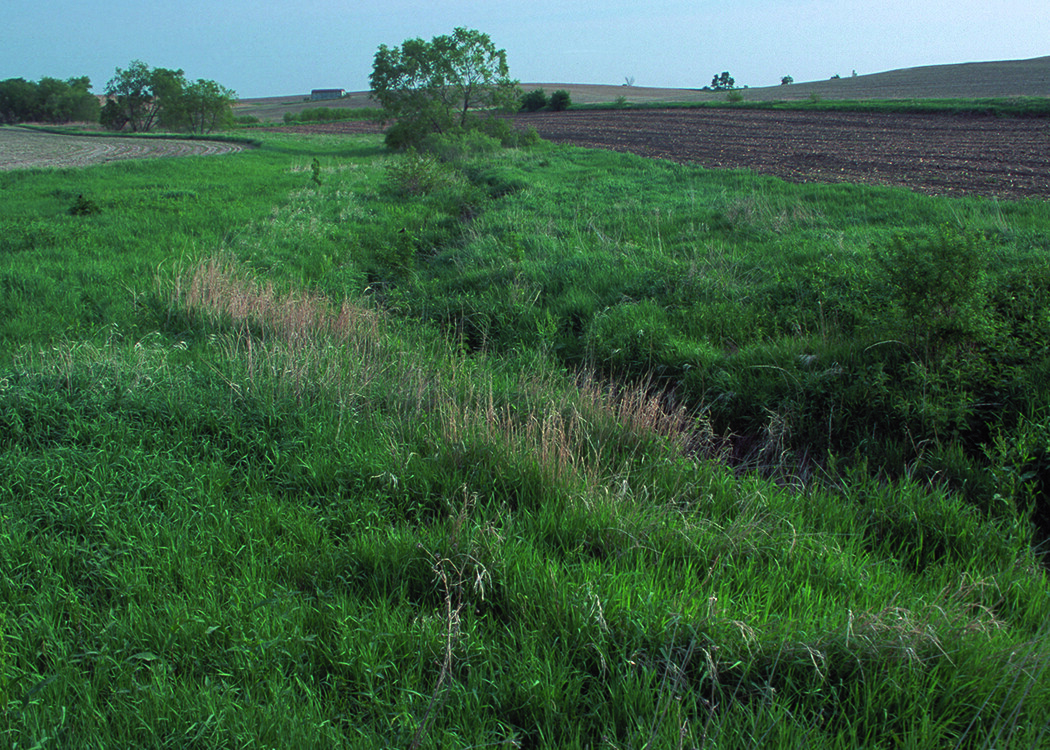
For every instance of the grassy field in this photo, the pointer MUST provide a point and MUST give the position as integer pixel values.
(314, 445)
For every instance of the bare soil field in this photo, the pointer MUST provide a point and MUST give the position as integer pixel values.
(31, 149)
(936, 154)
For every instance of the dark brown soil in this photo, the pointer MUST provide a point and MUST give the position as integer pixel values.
(935, 154)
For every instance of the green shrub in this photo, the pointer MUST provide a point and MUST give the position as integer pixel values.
(534, 101)
(936, 285)
(84, 207)
(560, 100)
(529, 137)
(416, 174)
(406, 134)
(459, 145)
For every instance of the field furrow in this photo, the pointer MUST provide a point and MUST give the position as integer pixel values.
(30, 149)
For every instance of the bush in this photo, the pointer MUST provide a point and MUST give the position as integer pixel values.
(416, 174)
(406, 134)
(452, 147)
(560, 100)
(84, 207)
(534, 101)
(936, 283)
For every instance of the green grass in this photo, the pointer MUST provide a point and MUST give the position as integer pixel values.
(521, 448)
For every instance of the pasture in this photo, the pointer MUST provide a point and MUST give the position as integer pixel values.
(316, 445)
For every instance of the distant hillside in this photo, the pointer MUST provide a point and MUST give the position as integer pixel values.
(958, 81)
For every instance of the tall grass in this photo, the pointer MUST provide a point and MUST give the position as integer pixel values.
(260, 504)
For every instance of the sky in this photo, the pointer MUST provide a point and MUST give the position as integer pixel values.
(264, 48)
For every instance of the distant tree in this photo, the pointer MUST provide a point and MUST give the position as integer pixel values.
(18, 100)
(433, 86)
(560, 100)
(534, 101)
(145, 97)
(786, 81)
(67, 101)
(723, 82)
(207, 106)
(628, 80)
(48, 100)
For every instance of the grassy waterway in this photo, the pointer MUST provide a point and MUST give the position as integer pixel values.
(318, 446)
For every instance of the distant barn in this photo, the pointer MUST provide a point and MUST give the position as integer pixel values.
(322, 94)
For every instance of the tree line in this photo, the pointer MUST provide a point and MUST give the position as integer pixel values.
(138, 98)
(48, 100)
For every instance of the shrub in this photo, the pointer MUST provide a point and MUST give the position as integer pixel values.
(84, 207)
(936, 283)
(534, 101)
(452, 147)
(416, 174)
(405, 134)
(560, 100)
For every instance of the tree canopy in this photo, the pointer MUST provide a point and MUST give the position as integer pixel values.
(143, 97)
(433, 86)
(723, 82)
(49, 100)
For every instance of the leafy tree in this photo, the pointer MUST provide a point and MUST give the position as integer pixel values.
(141, 94)
(67, 101)
(560, 100)
(207, 106)
(433, 86)
(144, 97)
(723, 82)
(534, 101)
(17, 100)
(786, 81)
(49, 100)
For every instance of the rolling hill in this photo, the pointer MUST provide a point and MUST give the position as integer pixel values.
(1009, 78)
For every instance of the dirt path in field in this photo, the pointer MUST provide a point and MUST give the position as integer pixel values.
(29, 149)
(935, 154)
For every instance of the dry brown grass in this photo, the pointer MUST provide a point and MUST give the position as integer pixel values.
(304, 344)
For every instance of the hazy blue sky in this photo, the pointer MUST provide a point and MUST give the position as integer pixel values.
(277, 47)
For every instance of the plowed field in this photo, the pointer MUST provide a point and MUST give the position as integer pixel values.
(27, 149)
(936, 154)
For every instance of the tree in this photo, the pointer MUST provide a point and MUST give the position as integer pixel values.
(143, 94)
(787, 81)
(534, 101)
(560, 100)
(207, 106)
(48, 100)
(433, 86)
(17, 100)
(723, 82)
